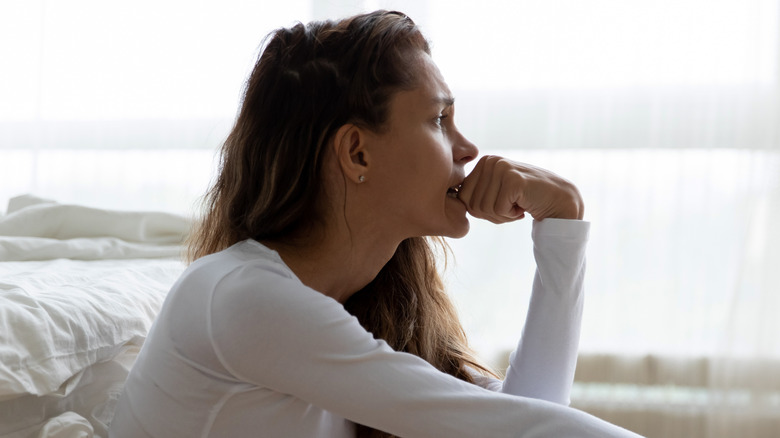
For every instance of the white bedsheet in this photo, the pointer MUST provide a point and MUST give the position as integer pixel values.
(82, 407)
(79, 290)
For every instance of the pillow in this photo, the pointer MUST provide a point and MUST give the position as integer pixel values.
(31, 216)
(60, 316)
(38, 229)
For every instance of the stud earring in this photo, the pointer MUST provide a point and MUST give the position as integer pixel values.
(361, 178)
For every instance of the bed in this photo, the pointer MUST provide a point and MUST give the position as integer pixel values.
(79, 289)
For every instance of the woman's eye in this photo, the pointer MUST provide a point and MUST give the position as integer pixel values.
(440, 119)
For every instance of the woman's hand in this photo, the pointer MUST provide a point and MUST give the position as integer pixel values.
(502, 190)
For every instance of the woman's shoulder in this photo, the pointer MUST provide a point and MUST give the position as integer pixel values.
(246, 258)
(247, 288)
(249, 274)
(246, 273)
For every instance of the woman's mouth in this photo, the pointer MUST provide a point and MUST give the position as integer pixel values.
(452, 192)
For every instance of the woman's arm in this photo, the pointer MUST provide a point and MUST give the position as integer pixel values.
(501, 190)
(272, 331)
(543, 364)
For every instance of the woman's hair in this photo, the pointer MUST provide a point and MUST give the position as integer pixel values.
(308, 82)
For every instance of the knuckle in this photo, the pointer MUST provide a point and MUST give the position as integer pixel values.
(503, 163)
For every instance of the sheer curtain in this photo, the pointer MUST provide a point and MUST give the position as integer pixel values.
(666, 114)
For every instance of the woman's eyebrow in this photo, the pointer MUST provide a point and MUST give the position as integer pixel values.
(447, 100)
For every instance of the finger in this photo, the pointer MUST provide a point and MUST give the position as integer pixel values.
(509, 210)
(466, 191)
(488, 195)
(489, 188)
(472, 189)
(507, 203)
(507, 177)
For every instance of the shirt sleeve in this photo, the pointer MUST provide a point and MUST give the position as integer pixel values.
(274, 332)
(543, 364)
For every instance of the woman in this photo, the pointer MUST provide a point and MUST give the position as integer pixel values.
(344, 156)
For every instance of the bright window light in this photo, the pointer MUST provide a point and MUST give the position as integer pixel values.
(605, 43)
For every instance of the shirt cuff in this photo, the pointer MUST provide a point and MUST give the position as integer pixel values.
(565, 228)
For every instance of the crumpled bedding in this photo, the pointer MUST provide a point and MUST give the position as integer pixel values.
(79, 290)
(39, 229)
(81, 407)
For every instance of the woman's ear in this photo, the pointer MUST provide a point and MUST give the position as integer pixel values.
(349, 145)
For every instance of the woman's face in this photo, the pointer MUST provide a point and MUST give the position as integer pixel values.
(419, 157)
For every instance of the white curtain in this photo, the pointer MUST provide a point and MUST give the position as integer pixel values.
(666, 114)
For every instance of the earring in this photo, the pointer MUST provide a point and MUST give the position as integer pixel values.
(361, 178)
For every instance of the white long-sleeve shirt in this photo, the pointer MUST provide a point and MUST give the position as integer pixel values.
(242, 348)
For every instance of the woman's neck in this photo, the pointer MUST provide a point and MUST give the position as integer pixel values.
(339, 263)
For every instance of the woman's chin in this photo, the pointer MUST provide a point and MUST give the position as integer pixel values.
(457, 219)
(459, 229)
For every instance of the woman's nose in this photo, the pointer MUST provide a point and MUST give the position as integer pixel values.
(463, 150)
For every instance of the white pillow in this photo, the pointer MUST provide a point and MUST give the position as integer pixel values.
(60, 316)
(31, 216)
(38, 229)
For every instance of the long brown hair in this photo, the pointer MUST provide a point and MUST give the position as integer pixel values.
(308, 81)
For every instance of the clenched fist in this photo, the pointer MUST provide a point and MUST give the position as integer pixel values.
(501, 190)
